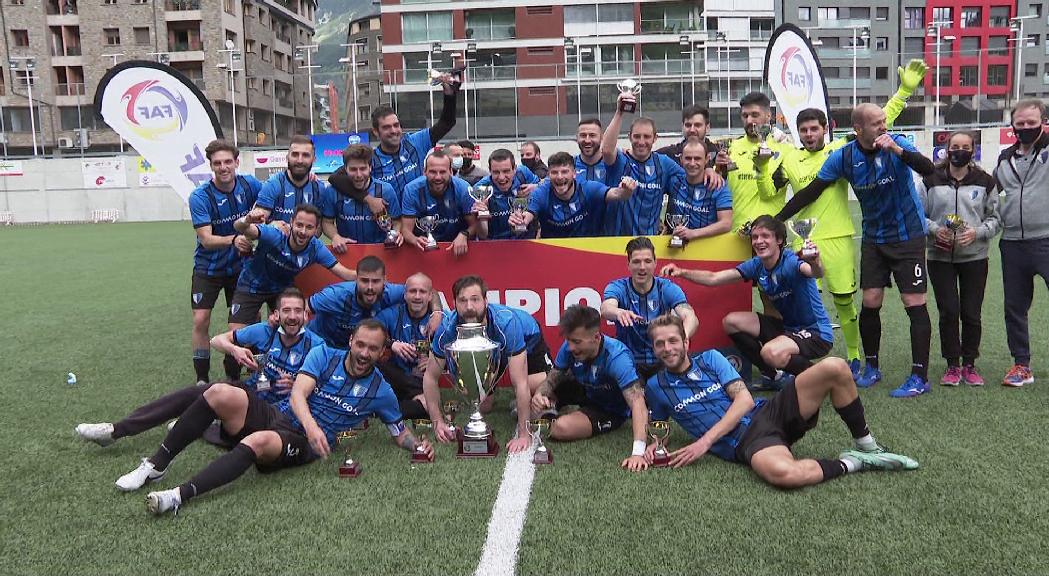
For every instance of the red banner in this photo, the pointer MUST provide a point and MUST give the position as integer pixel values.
(546, 276)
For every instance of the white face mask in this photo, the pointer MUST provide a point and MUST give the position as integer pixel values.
(457, 162)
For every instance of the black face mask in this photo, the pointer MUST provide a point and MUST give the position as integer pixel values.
(959, 158)
(1028, 136)
(467, 163)
(530, 163)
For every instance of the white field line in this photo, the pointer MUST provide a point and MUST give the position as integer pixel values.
(499, 556)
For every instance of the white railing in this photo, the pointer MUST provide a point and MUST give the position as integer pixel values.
(106, 215)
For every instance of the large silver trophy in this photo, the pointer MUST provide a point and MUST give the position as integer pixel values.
(474, 376)
(673, 221)
(482, 194)
(629, 86)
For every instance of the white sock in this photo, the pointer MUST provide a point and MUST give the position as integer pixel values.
(850, 465)
(867, 443)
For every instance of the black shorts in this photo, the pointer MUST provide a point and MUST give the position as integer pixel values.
(204, 290)
(777, 423)
(246, 306)
(809, 343)
(646, 371)
(904, 261)
(539, 358)
(601, 422)
(405, 384)
(295, 447)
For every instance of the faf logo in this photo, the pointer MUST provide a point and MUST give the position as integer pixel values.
(796, 77)
(152, 111)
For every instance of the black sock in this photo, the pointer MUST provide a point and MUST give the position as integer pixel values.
(921, 335)
(831, 468)
(852, 415)
(202, 364)
(797, 364)
(221, 471)
(750, 347)
(232, 367)
(190, 426)
(870, 334)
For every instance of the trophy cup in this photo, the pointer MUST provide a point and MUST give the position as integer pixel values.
(745, 229)
(386, 223)
(472, 353)
(426, 224)
(803, 229)
(481, 194)
(419, 428)
(723, 146)
(764, 152)
(629, 86)
(953, 223)
(349, 468)
(422, 347)
(673, 221)
(451, 407)
(659, 431)
(437, 75)
(539, 429)
(262, 383)
(520, 206)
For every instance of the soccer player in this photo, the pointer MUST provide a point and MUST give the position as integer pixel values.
(632, 302)
(399, 158)
(508, 181)
(654, 172)
(749, 201)
(217, 260)
(834, 230)
(502, 327)
(588, 163)
(596, 373)
(1023, 177)
(354, 199)
(334, 391)
(569, 206)
(277, 260)
(287, 190)
(709, 210)
(695, 121)
(803, 331)
(878, 166)
(537, 353)
(530, 157)
(407, 323)
(470, 170)
(445, 197)
(285, 345)
(707, 398)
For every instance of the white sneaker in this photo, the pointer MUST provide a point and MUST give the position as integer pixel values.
(138, 477)
(163, 501)
(101, 433)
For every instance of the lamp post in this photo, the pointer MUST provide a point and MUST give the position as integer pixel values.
(435, 49)
(684, 41)
(471, 48)
(232, 55)
(28, 67)
(352, 61)
(934, 30)
(571, 45)
(304, 52)
(114, 57)
(865, 35)
(1017, 25)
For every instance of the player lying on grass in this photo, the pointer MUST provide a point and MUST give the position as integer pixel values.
(708, 399)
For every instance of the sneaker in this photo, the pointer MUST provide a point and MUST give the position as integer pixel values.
(952, 377)
(879, 460)
(970, 376)
(138, 477)
(202, 382)
(101, 433)
(870, 377)
(856, 367)
(1017, 376)
(163, 501)
(914, 386)
(776, 384)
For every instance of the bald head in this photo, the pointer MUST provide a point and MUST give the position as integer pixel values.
(868, 121)
(418, 290)
(861, 111)
(419, 279)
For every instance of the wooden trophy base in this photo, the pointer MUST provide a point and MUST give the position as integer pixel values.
(477, 447)
(544, 457)
(421, 458)
(660, 460)
(350, 470)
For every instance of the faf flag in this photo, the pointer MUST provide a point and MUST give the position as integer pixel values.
(792, 70)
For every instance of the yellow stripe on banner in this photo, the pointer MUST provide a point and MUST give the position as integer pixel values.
(727, 247)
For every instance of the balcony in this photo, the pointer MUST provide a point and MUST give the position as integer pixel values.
(669, 26)
(59, 51)
(62, 8)
(484, 73)
(181, 5)
(187, 46)
(861, 53)
(70, 89)
(682, 67)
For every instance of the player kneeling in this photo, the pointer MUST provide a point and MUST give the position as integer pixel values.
(706, 396)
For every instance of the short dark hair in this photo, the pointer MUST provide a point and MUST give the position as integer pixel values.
(358, 152)
(300, 139)
(810, 114)
(639, 243)
(642, 120)
(291, 292)
(371, 324)
(379, 113)
(220, 145)
(467, 144)
(371, 264)
(309, 209)
(438, 154)
(465, 282)
(560, 159)
(694, 109)
(500, 155)
(533, 145)
(667, 319)
(585, 121)
(777, 227)
(755, 99)
(575, 317)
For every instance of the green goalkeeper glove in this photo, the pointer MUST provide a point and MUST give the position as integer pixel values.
(911, 77)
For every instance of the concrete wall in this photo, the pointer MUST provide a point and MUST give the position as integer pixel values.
(51, 190)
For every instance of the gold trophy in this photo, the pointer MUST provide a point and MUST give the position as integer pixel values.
(539, 429)
(426, 224)
(659, 431)
(419, 428)
(629, 86)
(953, 223)
(481, 194)
(262, 383)
(386, 223)
(673, 221)
(745, 229)
(349, 468)
(803, 229)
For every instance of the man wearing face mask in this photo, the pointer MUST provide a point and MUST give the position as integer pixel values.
(1022, 173)
(530, 157)
(470, 170)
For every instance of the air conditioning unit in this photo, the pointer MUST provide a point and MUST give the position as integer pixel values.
(65, 142)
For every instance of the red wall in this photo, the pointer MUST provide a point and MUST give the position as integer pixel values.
(955, 61)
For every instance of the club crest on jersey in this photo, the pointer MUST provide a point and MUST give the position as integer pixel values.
(234, 309)
(652, 305)
(572, 206)
(293, 358)
(593, 372)
(358, 390)
(240, 198)
(650, 170)
(693, 376)
(974, 194)
(197, 297)
(877, 162)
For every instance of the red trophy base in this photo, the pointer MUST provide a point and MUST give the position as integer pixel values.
(944, 246)
(660, 460)
(544, 457)
(349, 470)
(477, 447)
(421, 458)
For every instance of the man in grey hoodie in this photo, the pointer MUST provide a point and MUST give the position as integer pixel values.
(1022, 173)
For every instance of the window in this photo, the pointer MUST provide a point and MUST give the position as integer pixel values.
(863, 13)
(1036, 10)
(881, 14)
(832, 42)
(881, 43)
(946, 48)
(599, 20)
(20, 38)
(253, 83)
(230, 6)
(110, 2)
(833, 72)
(998, 46)
(416, 64)
(1032, 40)
(999, 16)
(494, 65)
(1030, 70)
(997, 74)
(970, 46)
(914, 18)
(265, 52)
(864, 72)
(266, 86)
(71, 119)
(670, 17)
(804, 13)
(945, 76)
(881, 73)
(913, 48)
(971, 17)
(112, 36)
(249, 46)
(426, 26)
(761, 28)
(141, 35)
(968, 75)
(941, 15)
(616, 59)
(490, 24)
(825, 14)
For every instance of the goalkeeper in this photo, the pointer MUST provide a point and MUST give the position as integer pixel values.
(833, 230)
